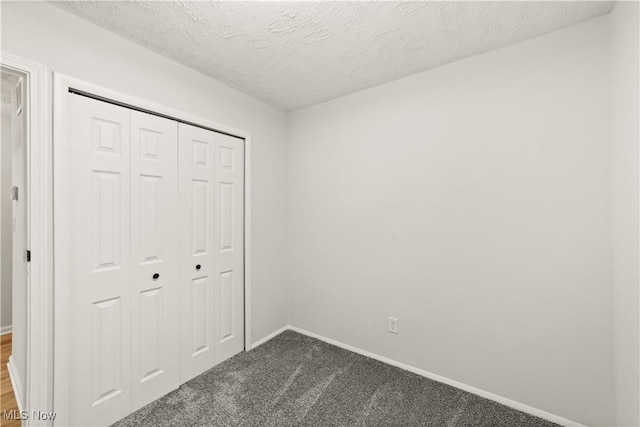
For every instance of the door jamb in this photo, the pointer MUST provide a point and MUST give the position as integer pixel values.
(39, 193)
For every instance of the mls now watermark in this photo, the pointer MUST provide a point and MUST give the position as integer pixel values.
(14, 414)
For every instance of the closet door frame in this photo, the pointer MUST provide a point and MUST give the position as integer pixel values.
(62, 86)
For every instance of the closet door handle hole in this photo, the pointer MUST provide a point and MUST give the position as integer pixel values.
(198, 267)
(156, 276)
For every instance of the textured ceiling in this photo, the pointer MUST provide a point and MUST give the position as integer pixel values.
(295, 54)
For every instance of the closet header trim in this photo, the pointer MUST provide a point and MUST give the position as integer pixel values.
(143, 110)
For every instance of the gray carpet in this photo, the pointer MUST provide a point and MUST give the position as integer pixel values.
(294, 380)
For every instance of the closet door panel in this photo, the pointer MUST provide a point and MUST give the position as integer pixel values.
(229, 247)
(196, 204)
(154, 257)
(99, 260)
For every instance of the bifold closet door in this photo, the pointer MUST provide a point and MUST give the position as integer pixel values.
(99, 263)
(195, 200)
(156, 256)
(212, 248)
(155, 320)
(123, 260)
(229, 247)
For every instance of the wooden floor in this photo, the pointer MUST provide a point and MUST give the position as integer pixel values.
(7, 399)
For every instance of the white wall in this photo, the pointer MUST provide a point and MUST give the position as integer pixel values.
(45, 34)
(625, 72)
(472, 202)
(5, 222)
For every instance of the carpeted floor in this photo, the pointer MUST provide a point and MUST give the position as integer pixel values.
(294, 380)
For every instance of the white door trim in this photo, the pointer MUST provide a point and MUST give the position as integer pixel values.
(15, 382)
(39, 329)
(61, 86)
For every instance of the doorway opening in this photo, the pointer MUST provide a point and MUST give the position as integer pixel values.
(26, 86)
(13, 238)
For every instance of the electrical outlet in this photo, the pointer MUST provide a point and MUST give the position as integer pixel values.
(393, 325)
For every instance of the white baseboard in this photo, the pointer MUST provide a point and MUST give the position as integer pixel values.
(16, 382)
(471, 389)
(270, 336)
(5, 330)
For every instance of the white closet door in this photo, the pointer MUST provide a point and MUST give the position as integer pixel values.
(99, 259)
(195, 200)
(155, 321)
(229, 247)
